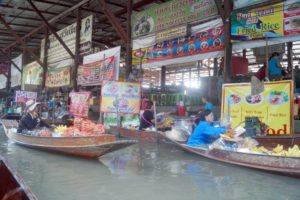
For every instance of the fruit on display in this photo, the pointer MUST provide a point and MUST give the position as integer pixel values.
(44, 133)
(168, 122)
(60, 129)
(291, 152)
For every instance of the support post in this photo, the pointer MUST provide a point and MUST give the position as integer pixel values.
(128, 43)
(227, 42)
(244, 53)
(51, 29)
(290, 55)
(45, 58)
(8, 83)
(77, 44)
(163, 78)
(215, 66)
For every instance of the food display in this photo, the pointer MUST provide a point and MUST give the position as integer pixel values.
(279, 151)
(253, 99)
(234, 99)
(278, 98)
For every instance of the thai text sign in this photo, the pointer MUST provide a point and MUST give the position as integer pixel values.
(272, 107)
(171, 14)
(171, 33)
(201, 42)
(56, 52)
(80, 103)
(32, 74)
(270, 21)
(122, 95)
(58, 77)
(24, 96)
(96, 72)
(256, 23)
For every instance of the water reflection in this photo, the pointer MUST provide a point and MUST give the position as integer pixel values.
(143, 171)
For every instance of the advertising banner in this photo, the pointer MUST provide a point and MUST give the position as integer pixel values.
(24, 96)
(58, 77)
(80, 103)
(171, 33)
(32, 74)
(201, 42)
(56, 52)
(170, 14)
(16, 75)
(244, 3)
(122, 95)
(282, 19)
(272, 107)
(256, 23)
(96, 72)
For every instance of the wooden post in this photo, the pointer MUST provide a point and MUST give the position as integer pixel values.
(8, 83)
(128, 42)
(290, 55)
(227, 42)
(163, 78)
(244, 53)
(45, 58)
(77, 46)
(215, 66)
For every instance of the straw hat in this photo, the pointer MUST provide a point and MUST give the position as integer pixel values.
(179, 135)
(31, 105)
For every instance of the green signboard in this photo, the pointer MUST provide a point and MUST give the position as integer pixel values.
(171, 14)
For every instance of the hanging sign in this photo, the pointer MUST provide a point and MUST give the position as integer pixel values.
(32, 74)
(96, 72)
(171, 33)
(257, 23)
(273, 106)
(170, 14)
(80, 103)
(56, 52)
(200, 42)
(122, 95)
(24, 96)
(58, 77)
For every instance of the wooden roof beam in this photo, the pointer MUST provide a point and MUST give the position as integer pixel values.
(51, 29)
(51, 21)
(19, 40)
(113, 20)
(12, 62)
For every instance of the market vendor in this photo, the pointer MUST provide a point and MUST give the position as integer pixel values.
(205, 133)
(208, 105)
(147, 117)
(275, 68)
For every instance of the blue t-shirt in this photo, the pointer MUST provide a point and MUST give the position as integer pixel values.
(273, 68)
(205, 133)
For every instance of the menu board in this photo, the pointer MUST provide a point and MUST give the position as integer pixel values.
(122, 97)
(273, 106)
(80, 103)
(24, 96)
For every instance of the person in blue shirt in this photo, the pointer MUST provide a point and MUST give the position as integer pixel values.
(275, 67)
(208, 105)
(205, 133)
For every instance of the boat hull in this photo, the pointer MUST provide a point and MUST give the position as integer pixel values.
(89, 146)
(279, 164)
(12, 185)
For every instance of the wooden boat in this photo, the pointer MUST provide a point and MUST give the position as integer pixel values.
(87, 146)
(279, 164)
(148, 136)
(11, 184)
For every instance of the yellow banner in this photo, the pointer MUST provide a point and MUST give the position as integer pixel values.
(273, 106)
(58, 77)
(122, 95)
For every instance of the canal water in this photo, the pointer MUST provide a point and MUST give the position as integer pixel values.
(143, 172)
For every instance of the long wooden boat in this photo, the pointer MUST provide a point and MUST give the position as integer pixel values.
(148, 136)
(87, 146)
(12, 185)
(279, 164)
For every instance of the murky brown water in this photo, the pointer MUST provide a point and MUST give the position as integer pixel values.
(143, 172)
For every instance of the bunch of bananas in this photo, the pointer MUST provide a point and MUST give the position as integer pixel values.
(168, 122)
(60, 129)
(227, 135)
(291, 152)
(260, 149)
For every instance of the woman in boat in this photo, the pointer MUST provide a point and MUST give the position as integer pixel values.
(30, 120)
(205, 133)
(147, 117)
